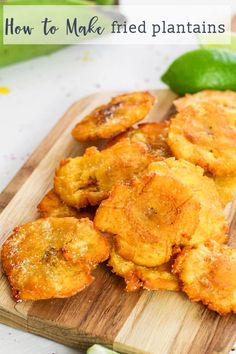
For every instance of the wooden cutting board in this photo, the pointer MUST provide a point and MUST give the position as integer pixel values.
(158, 322)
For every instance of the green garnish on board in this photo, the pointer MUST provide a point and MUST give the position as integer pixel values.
(98, 349)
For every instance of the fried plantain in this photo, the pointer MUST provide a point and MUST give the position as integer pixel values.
(114, 117)
(208, 275)
(153, 134)
(52, 257)
(226, 187)
(88, 179)
(212, 223)
(52, 205)
(148, 217)
(137, 277)
(205, 134)
(225, 99)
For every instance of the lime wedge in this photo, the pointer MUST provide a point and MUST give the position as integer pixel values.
(98, 349)
(202, 69)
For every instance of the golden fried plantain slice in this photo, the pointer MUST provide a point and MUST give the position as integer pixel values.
(52, 257)
(52, 205)
(88, 179)
(142, 277)
(212, 223)
(114, 117)
(225, 99)
(148, 217)
(153, 134)
(208, 275)
(226, 187)
(205, 134)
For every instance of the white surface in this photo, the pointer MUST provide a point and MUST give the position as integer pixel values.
(40, 92)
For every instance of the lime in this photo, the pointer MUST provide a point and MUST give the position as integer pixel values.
(105, 2)
(201, 69)
(98, 349)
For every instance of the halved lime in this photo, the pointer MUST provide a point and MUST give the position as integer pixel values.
(98, 349)
(202, 69)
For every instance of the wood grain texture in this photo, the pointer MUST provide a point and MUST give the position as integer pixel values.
(142, 322)
(98, 312)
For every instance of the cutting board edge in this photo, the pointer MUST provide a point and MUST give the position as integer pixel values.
(9, 192)
(32, 162)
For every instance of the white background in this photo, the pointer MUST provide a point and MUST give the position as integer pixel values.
(40, 92)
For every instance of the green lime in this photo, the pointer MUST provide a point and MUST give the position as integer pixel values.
(231, 46)
(105, 2)
(202, 69)
(98, 349)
